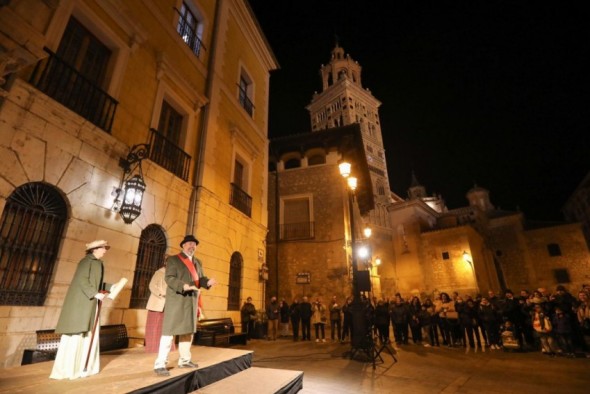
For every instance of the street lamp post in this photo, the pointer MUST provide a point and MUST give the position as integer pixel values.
(360, 328)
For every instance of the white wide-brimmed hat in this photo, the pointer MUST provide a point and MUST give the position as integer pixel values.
(97, 244)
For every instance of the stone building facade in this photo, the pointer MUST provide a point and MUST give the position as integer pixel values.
(82, 83)
(577, 207)
(478, 248)
(309, 242)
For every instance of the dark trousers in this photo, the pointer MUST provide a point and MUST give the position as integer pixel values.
(416, 333)
(295, 325)
(400, 332)
(470, 332)
(346, 329)
(383, 330)
(320, 329)
(433, 331)
(306, 329)
(249, 327)
(336, 329)
(493, 332)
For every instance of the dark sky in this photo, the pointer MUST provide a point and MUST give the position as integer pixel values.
(493, 93)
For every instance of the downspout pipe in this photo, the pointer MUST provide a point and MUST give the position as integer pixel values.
(191, 223)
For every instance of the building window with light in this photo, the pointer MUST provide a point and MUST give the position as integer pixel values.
(189, 27)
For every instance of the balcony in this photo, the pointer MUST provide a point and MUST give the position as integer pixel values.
(240, 200)
(66, 85)
(245, 102)
(294, 231)
(188, 34)
(168, 155)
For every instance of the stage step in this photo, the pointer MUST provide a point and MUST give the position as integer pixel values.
(257, 380)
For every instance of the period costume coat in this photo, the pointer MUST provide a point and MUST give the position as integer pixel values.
(79, 308)
(180, 314)
(157, 287)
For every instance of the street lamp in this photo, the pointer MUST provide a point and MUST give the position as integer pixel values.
(129, 194)
(467, 258)
(345, 171)
(360, 338)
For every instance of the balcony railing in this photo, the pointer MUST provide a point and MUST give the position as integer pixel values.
(245, 102)
(189, 35)
(292, 231)
(240, 200)
(168, 155)
(66, 85)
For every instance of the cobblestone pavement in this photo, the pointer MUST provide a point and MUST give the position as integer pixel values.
(328, 368)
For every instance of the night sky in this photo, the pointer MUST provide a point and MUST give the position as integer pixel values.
(493, 93)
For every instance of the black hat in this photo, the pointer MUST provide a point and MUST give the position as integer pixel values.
(189, 238)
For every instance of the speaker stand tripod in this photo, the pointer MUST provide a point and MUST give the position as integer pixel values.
(368, 348)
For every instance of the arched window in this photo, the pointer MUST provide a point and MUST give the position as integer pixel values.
(292, 163)
(31, 230)
(316, 159)
(235, 282)
(150, 257)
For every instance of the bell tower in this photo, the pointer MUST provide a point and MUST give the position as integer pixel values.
(344, 101)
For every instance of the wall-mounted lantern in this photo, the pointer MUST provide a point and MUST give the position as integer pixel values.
(129, 194)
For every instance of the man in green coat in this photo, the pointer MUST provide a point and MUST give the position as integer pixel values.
(184, 277)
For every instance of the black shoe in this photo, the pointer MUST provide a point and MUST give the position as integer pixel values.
(190, 364)
(162, 372)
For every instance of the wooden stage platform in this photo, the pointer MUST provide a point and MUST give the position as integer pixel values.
(132, 371)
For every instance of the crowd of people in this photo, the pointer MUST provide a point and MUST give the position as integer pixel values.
(555, 323)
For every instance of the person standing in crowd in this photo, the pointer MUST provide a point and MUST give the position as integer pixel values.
(400, 316)
(415, 308)
(184, 277)
(488, 315)
(543, 330)
(335, 320)
(448, 316)
(425, 319)
(272, 314)
(78, 315)
(562, 327)
(382, 320)
(319, 319)
(512, 311)
(467, 321)
(295, 314)
(583, 316)
(284, 319)
(155, 308)
(248, 317)
(346, 320)
(305, 313)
